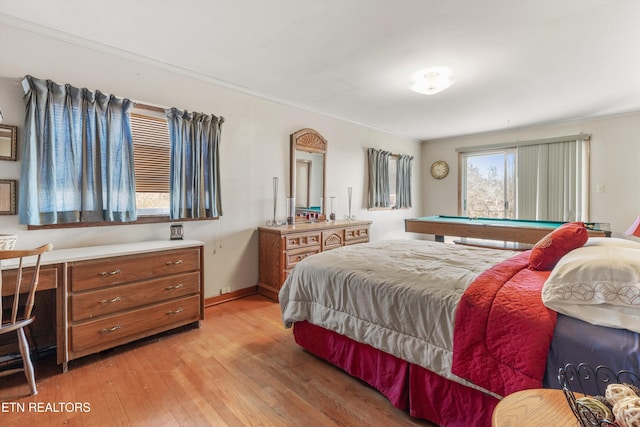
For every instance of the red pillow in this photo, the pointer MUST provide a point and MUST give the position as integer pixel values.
(548, 251)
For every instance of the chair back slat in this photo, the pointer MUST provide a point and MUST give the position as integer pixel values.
(16, 293)
(20, 256)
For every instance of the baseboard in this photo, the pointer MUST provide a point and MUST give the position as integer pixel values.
(240, 293)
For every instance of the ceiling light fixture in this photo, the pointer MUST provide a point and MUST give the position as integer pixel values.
(432, 80)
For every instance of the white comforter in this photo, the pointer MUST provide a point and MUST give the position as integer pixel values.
(399, 296)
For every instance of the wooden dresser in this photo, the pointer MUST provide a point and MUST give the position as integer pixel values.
(120, 299)
(114, 294)
(281, 248)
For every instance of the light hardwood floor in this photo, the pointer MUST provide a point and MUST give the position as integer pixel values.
(240, 368)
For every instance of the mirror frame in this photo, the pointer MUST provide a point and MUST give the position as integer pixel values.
(12, 137)
(311, 141)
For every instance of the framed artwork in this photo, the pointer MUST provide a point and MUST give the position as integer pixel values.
(8, 196)
(8, 138)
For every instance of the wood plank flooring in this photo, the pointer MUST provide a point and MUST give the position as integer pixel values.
(240, 368)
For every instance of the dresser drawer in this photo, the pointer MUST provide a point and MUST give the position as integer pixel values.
(118, 329)
(302, 240)
(356, 234)
(294, 257)
(92, 304)
(86, 275)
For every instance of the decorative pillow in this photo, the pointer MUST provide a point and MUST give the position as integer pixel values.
(599, 284)
(548, 251)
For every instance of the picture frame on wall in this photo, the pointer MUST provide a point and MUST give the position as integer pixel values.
(8, 142)
(8, 196)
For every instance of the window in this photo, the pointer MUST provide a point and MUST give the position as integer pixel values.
(389, 180)
(120, 161)
(152, 155)
(489, 184)
(540, 179)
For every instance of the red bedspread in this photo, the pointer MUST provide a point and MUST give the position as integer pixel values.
(502, 330)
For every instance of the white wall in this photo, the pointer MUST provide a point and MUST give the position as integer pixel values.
(254, 149)
(615, 164)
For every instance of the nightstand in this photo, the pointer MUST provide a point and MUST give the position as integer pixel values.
(534, 408)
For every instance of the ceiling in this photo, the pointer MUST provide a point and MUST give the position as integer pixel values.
(516, 63)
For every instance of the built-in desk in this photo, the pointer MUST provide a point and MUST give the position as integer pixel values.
(43, 331)
(113, 294)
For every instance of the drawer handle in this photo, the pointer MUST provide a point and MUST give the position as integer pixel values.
(178, 286)
(110, 301)
(108, 331)
(171, 313)
(110, 273)
(178, 262)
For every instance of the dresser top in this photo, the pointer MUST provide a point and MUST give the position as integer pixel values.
(313, 226)
(58, 256)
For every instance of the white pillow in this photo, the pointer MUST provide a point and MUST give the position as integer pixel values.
(598, 283)
(612, 241)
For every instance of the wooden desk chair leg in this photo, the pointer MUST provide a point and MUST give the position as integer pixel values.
(26, 360)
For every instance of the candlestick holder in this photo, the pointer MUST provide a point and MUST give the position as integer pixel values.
(333, 206)
(349, 217)
(291, 210)
(275, 222)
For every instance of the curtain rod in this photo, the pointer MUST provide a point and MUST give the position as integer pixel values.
(392, 154)
(567, 138)
(148, 107)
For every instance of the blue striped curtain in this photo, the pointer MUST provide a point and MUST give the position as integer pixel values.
(195, 165)
(403, 181)
(77, 163)
(379, 178)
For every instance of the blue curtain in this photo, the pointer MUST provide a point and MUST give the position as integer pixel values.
(77, 163)
(379, 178)
(403, 181)
(195, 165)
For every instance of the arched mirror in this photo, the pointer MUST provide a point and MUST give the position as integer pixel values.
(308, 166)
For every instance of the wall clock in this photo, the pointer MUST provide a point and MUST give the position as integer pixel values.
(439, 169)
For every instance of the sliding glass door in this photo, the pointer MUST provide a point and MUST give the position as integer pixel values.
(489, 184)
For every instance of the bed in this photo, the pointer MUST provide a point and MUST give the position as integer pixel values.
(445, 331)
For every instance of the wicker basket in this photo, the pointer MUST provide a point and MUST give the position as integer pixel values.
(7, 241)
(587, 380)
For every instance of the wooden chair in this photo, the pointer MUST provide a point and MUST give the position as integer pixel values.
(19, 315)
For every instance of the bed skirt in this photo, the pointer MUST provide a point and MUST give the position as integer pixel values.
(407, 386)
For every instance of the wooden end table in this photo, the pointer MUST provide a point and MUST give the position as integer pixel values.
(534, 408)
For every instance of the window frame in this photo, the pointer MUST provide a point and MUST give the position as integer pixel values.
(462, 181)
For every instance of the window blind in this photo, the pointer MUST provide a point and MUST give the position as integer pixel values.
(151, 151)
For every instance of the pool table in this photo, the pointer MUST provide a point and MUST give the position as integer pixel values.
(511, 230)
